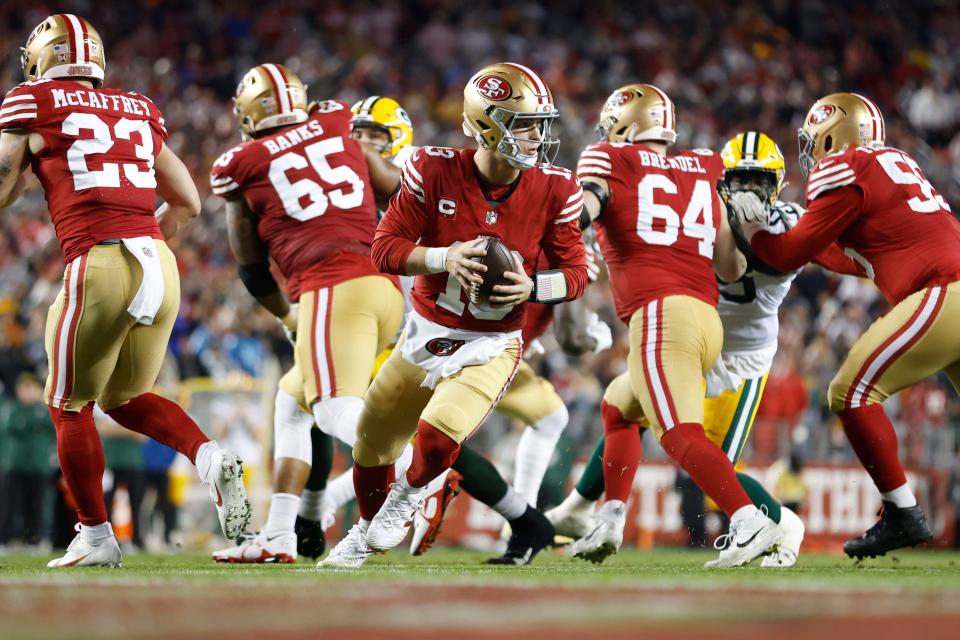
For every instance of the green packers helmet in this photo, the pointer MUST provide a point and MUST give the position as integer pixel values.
(755, 163)
(385, 113)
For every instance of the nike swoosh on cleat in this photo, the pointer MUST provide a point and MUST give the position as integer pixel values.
(74, 562)
(219, 497)
(751, 539)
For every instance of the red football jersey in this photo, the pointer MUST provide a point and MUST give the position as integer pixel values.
(538, 320)
(877, 204)
(309, 186)
(441, 202)
(660, 224)
(96, 166)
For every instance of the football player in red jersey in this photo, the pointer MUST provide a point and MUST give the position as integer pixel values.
(457, 357)
(301, 190)
(101, 159)
(663, 232)
(876, 204)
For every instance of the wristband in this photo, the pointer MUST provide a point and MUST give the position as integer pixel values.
(549, 287)
(436, 259)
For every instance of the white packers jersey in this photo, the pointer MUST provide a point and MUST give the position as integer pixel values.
(749, 307)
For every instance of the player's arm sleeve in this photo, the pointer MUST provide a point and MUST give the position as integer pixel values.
(834, 259)
(563, 248)
(20, 108)
(594, 169)
(225, 176)
(828, 217)
(402, 225)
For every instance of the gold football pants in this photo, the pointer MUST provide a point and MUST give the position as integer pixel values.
(95, 350)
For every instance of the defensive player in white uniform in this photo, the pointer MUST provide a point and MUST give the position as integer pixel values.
(748, 309)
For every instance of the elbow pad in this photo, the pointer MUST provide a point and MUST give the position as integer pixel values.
(257, 279)
(602, 196)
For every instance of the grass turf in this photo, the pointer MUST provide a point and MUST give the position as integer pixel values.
(664, 590)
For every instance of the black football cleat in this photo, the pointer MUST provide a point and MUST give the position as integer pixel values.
(897, 528)
(311, 541)
(530, 534)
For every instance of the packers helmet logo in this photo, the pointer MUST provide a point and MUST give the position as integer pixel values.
(619, 99)
(404, 116)
(820, 114)
(494, 88)
(443, 346)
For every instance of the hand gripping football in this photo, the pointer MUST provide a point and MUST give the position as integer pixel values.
(499, 258)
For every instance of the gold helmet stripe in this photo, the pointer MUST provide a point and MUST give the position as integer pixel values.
(667, 108)
(879, 132)
(543, 94)
(78, 39)
(279, 83)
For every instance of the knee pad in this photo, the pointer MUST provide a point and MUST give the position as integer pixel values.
(338, 417)
(554, 424)
(837, 394)
(291, 429)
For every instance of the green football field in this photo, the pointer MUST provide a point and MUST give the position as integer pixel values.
(450, 594)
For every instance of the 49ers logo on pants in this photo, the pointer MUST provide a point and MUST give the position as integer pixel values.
(443, 346)
(494, 88)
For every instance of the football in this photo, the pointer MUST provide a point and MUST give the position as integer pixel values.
(499, 258)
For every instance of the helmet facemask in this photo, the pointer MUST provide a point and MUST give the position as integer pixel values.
(762, 182)
(523, 153)
(807, 144)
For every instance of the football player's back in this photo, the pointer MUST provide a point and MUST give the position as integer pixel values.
(658, 230)
(100, 156)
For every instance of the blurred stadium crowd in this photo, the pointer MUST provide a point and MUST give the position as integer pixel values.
(729, 66)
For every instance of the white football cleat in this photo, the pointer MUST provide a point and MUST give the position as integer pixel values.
(229, 494)
(789, 551)
(80, 553)
(389, 527)
(281, 548)
(750, 536)
(351, 552)
(429, 517)
(570, 522)
(607, 534)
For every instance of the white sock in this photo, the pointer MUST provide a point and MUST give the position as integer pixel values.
(902, 496)
(340, 491)
(204, 460)
(404, 461)
(576, 503)
(534, 452)
(311, 504)
(337, 417)
(291, 429)
(93, 535)
(283, 513)
(511, 506)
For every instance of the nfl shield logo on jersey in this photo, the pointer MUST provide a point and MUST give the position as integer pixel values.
(491, 217)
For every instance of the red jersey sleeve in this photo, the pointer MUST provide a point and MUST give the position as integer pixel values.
(834, 259)
(227, 174)
(20, 108)
(827, 217)
(404, 222)
(562, 242)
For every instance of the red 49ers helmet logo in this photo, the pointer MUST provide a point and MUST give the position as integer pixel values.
(619, 99)
(494, 88)
(820, 114)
